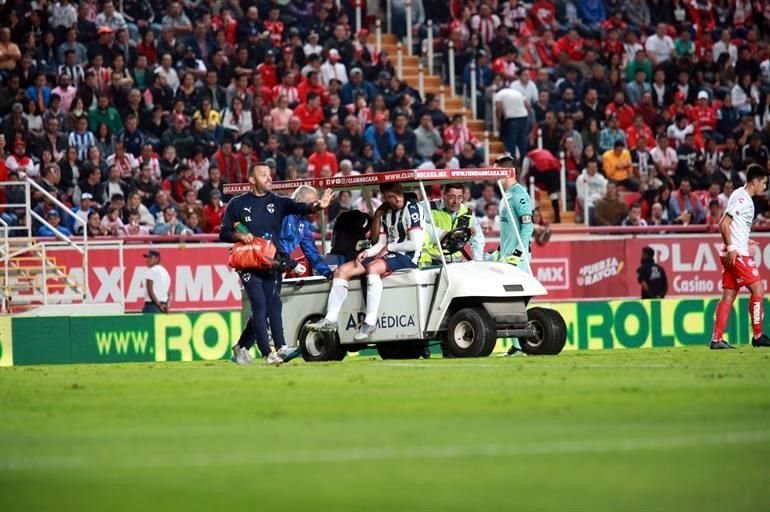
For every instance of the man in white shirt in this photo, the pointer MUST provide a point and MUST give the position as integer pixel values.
(725, 46)
(665, 159)
(333, 69)
(513, 113)
(526, 86)
(157, 283)
(590, 186)
(659, 46)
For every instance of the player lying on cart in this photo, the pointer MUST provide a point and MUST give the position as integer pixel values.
(398, 247)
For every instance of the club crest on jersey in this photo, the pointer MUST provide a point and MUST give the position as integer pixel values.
(301, 227)
(271, 208)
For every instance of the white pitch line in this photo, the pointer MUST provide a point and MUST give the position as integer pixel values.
(73, 462)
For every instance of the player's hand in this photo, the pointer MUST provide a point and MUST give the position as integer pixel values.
(325, 199)
(246, 238)
(361, 256)
(164, 308)
(754, 242)
(731, 257)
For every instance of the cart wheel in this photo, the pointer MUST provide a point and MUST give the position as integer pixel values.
(550, 332)
(471, 333)
(401, 349)
(320, 346)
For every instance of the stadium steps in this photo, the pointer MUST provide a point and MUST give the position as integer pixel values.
(457, 105)
(25, 288)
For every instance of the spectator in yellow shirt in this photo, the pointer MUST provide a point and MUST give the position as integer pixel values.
(210, 119)
(618, 167)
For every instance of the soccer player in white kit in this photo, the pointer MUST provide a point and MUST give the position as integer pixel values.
(738, 268)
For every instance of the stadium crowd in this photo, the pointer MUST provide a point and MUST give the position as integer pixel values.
(136, 119)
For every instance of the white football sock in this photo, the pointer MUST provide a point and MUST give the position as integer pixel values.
(373, 294)
(336, 298)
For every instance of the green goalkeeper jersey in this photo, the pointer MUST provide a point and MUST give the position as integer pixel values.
(519, 201)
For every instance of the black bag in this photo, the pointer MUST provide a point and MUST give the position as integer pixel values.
(349, 227)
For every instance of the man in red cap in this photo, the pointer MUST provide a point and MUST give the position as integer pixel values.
(333, 69)
(19, 161)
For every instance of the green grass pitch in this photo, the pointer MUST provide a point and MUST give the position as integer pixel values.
(647, 430)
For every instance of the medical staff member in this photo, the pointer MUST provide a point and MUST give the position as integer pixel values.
(296, 232)
(514, 249)
(448, 214)
(262, 213)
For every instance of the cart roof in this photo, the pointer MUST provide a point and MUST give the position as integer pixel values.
(433, 176)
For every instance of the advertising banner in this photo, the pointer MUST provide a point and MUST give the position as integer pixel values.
(6, 341)
(591, 325)
(587, 268)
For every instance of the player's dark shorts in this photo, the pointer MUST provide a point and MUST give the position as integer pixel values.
(743, 273)
(394, 261)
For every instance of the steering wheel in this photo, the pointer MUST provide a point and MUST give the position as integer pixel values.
(455, 241)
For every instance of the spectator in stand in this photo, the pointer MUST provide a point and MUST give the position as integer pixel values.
(634, 217)
(170, 224)
(755, 152)
(428, 140)
(659, 46)
(53, 217)
(618, 167)
(490, 222)
(610, 210)
(112, 223)
(321, 157)
(611, 134)
(590, 187)
(684, 206)
(621, 110)
(310, 114)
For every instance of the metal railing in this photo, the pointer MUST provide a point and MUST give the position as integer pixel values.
(30, 243)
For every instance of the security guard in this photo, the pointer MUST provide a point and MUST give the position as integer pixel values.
(651, 276)
(515, 231)
(448, 214)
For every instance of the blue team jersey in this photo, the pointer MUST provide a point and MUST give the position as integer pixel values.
(396, 225)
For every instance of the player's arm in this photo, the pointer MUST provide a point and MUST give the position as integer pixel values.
(664, 292)
(522, 208)
(151, 292)
(376, 249)
(416, 231)
(478, 242)
(724, 230)
(228, 232)
(309, 249)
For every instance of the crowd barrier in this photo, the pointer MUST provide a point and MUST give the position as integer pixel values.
(591, 325)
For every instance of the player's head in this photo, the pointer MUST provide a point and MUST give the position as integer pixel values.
(454, 194)
(756, 179)
(260, 177)
(506, 161)
(305, 194)
(153, 257)
(393, 194)
(648, 254)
